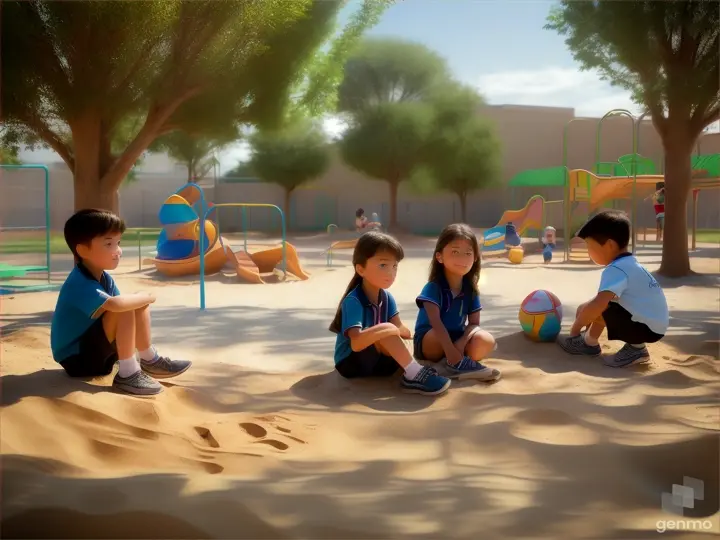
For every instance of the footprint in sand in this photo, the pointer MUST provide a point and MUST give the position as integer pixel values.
(257, 431)
(254, 430)
(551, 426)
(207, 436)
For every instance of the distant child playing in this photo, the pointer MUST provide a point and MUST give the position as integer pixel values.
(448, 325)
(362, 224)
(629, 302)
(369, 331)
(94, 326)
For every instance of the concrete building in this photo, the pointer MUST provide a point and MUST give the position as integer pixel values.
(532, 138)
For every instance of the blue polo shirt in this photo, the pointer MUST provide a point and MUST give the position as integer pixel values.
(454, 310)
(80, 297)
(359, 312)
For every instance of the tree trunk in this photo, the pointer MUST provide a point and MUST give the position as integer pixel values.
(93, 194)
(678, 145)
(463, 207)
(286, 207)
(90, 158)
(393, 204)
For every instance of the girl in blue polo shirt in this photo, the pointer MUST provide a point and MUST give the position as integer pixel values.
(369, 331)
(447, 326)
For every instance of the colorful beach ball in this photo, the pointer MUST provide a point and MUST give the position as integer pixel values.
(541, 316)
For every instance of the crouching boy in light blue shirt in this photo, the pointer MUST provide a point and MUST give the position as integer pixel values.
(629, 302)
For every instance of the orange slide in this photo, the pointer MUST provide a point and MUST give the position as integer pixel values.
(250, 266)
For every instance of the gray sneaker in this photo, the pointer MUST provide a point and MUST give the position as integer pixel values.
(470, 369)
(628, 356)
(138, 384)
(576, 345)
(164, 368)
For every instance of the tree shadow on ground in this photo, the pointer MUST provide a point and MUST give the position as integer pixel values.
(11, 324)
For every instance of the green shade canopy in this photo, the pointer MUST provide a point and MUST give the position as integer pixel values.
(551, 177)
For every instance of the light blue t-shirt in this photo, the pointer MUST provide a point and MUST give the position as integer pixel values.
(359, 312)
(637, 291)
(80, 297)
(454, 310)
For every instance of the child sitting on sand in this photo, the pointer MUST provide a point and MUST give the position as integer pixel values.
(629, 302)
(448, 325)
(94, 325)
(362, 224)
(367, 323)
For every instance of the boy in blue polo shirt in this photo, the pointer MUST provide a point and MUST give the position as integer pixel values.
(629, 302)
(94, 326)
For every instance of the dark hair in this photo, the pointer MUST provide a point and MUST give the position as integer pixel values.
(85, 225)
(607, 225)
(454, 232)
(368, 245)
(359, 212)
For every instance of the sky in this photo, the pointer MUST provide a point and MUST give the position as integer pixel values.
(500, 47)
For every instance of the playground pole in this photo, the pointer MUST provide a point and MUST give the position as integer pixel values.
(242, 206)
(46, 172)
(568, 206)
(623, 112)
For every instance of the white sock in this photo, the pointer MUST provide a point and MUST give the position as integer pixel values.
(148, 354)
(589, 340)
(128, 367)
(412, 370)
(638, 346)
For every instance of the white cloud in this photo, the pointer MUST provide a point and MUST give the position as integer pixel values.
(556, 87)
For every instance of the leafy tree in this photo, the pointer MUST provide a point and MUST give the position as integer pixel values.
(195, 152)
(389, 70)
(290, 156)
(462, 152)
(668, 55)
(9, 156)
(73, 71)
(386, 141)
(385, 84)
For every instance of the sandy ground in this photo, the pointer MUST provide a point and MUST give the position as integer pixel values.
(261, 439)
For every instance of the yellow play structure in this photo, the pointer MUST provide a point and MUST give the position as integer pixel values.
(631, 178)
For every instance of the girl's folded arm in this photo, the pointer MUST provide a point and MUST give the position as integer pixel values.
(433, 312)
(362, 339)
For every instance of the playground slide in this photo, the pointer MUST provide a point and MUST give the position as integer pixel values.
(529, 217)
(608, 188)
(244, 266)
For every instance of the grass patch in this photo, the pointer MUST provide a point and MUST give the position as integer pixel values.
(710, 236)
(14, 243)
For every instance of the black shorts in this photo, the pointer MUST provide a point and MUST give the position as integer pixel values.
(621, 327)
(97, 355)
(367, 363)
(418, 338)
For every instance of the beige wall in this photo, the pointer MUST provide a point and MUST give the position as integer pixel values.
(531, 138)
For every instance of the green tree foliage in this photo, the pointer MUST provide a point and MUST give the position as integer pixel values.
(9, 156)
(384, 96)
(197, 153)
(389, 70)
(72, 72)
(668, 55)
(462, 152)
(290, 156)
(386, 142)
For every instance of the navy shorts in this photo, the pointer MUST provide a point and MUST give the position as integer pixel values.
(621, 327)
(418, 338)
(97, 355)
(367, 363)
